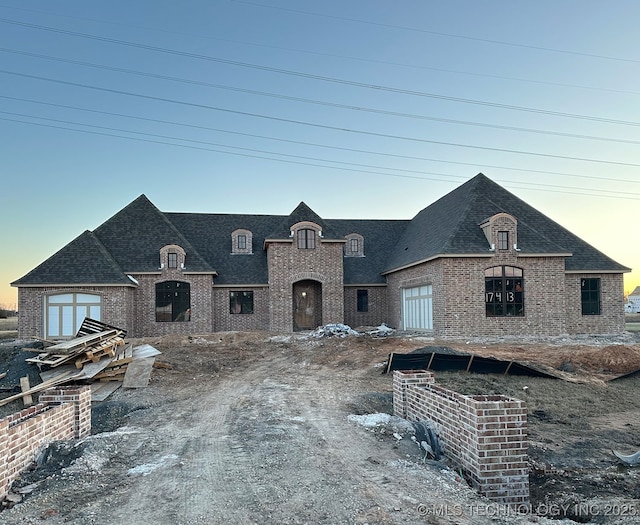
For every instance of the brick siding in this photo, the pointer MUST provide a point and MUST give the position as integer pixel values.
(225, 321)
(377, 312)
(485, 435)
(288, 265)
(62, 413)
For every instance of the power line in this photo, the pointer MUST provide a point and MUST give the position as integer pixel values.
(321, 77)
(340, 148)
(439, 33)
(558, 189)
(320, 102)
(331, 55)
(322, 126)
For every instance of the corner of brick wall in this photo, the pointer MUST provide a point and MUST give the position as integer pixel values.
(62, 413)
(485, 435)
(80, 397)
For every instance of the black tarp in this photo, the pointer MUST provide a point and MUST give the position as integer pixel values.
(450, 361)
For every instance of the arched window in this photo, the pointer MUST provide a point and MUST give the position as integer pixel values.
(504, 291)
(173, 301)
(306, 239)
(65, 312)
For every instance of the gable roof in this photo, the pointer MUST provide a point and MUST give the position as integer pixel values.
(130, 241)
(135, 235)
(451, 226)
(302, 213)
(83, 260)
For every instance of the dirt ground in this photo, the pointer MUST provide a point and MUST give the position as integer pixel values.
(259, 428)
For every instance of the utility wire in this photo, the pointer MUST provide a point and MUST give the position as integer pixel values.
(313, 144)
(322, 126)
(559, 189)
(321, 77)
(329, 55)
(320, 102)
(439, 33)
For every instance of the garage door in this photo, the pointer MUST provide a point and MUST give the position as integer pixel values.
(417, 308)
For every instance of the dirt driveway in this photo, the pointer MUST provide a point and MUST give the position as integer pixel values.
(255, 428)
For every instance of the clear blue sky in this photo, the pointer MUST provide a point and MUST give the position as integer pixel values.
(361, 109)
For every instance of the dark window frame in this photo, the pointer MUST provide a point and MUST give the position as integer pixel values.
(590, 295)
(173, 302)
(354, 245)
(241, 302)
(362, 301)
(504, 291)
(242, 241)
(306, 239)
(503, 240)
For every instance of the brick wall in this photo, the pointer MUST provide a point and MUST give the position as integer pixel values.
(377, 313)
(485, 435)
(116, 307)
(144, 312)
(552, 301)
(225, 321)
(288, 264)
(611, 318)
(62, 413)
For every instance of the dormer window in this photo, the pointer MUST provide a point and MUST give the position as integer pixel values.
(354, 247)
(172, 257)
(306, 239)
(503, 240)
(242, 242)
(501, 232)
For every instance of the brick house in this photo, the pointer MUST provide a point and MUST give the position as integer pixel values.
(479, 261)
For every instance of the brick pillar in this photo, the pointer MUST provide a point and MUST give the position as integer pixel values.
(402, 379)
(5, 480)
(80, 396)
(495, 431)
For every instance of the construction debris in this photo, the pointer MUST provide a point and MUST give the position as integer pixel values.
(335, 329)
(98, 354)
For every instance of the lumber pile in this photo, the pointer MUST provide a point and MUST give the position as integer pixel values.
(98, 354)
(93, 341)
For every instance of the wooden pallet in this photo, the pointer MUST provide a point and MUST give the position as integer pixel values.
(91, 326)
(97, 352)
(77, 344)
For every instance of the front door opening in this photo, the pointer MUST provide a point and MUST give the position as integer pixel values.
(307, 305)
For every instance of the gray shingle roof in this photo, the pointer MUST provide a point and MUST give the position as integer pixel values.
(83, 260)
(130, 241)
(451, 226)
(136, 233)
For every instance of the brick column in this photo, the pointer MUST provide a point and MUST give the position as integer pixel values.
(495, 432)
(80, 396)
(402, 379)
(5, 480)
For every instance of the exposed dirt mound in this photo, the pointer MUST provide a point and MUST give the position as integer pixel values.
(254, 428)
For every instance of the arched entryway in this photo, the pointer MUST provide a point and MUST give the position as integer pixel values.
(307, 305)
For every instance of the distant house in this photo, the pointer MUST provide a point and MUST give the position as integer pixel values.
(477, 262)
(632, 305)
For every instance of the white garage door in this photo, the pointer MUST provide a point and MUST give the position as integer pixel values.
(65, 312)
(417, 308)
